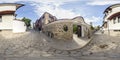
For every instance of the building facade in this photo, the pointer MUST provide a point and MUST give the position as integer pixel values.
(44, 19)
(111, 23)
(8, 18)
(63, 28)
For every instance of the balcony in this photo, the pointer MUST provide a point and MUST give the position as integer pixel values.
(114, 12)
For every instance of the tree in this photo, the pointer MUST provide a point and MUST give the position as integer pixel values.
(98, 27)
(92, 28)
(27, 21)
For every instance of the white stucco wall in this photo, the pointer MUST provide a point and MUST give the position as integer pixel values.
(18, 26)
(6, 22)
(117, 9)
(115, 26)
(8, 8)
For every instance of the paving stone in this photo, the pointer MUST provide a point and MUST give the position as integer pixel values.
(9, 51)
(65, 53)
(73, 52)
(78, 54)
(86, 53)
(41, 58)
(98, 54)
(58, 51)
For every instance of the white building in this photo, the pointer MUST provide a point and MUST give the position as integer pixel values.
(8, 19)
(111, 23)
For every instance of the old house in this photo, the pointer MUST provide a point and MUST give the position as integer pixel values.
(44, 19)
(64, 28)
(111, 23)
(8, 19)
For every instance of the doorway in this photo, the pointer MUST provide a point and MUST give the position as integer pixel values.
(79, 31)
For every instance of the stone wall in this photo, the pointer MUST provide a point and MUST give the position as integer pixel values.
(56, 30)
(63, 28)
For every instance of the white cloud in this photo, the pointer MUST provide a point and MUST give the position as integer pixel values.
(103, 2)
(20, 18)
(51, 6)
(93, 19)
(54, 8)
(9, 1)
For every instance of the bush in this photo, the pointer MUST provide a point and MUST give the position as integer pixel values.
(74, 28)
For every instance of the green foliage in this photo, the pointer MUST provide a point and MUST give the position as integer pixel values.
(27, 21)
(92, 28)
(74, 28)
(98, 27)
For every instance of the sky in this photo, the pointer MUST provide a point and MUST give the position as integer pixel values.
(90, 10)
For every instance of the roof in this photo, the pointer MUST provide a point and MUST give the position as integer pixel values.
(112, 6)
(16, 4)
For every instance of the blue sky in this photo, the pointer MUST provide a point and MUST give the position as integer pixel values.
(90, 10)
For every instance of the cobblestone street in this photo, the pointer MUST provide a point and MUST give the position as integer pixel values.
(33, 45)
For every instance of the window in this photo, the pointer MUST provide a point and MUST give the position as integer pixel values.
(65, 28)
(110, 10)
(114, 20)
(0, 18)
(118, 19)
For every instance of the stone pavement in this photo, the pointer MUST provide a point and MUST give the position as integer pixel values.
(98, 58)
(61, 58)
(40, 58)
(32, 45)
(75, 43)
